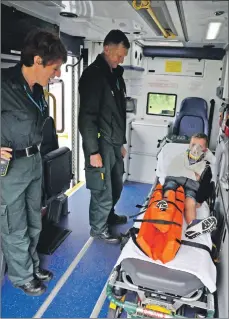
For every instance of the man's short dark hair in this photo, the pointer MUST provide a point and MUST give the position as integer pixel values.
(117, 37)
(203, 136)
(44, 44)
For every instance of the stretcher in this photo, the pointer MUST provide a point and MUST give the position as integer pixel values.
(181, 288)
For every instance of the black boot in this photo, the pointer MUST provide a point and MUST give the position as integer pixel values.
(115, 219)
(43, 274)
(33, 288)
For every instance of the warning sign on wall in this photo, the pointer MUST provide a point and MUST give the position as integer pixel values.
(177, 67)
(173, 66)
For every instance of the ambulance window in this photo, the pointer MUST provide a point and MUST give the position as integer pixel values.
(161, 104)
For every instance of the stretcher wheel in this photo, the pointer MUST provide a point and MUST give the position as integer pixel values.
(114, 311)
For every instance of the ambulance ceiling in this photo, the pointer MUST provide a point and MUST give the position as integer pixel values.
(188, 20)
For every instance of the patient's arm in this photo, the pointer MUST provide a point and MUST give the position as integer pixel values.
(197, 176)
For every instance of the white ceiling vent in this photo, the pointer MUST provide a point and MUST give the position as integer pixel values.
(80, 8)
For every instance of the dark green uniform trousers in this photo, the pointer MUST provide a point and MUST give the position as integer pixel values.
(21, 217)
(106, 185)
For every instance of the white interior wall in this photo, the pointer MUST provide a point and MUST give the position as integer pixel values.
(97, 48)
(140, 83)
(224, 79)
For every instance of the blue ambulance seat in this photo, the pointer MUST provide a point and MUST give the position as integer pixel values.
(192, 118)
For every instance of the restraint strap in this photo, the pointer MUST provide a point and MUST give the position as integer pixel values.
(141, 212)
(133, 232)
(193, 244)
(157, 221)
(156, 201)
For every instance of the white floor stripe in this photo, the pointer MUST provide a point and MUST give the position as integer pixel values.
(63, 279)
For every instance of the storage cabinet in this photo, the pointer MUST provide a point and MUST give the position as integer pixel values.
(143, 149)
(142, 168)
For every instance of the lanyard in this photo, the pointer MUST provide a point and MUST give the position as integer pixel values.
(117, 84)
(40, 106)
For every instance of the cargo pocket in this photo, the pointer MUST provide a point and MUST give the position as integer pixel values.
(4, 220)
(95, 178)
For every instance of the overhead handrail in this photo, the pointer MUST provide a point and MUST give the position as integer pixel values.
(146, 5)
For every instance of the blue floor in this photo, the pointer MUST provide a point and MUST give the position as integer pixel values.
(77, 297)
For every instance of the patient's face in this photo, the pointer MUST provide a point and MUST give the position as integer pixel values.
(198, 141)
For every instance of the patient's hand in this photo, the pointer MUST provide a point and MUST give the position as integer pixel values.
(197, 176)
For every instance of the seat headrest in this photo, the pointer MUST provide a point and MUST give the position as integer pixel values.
(194, 106)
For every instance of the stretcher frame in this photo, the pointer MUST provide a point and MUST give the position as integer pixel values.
(154, 304)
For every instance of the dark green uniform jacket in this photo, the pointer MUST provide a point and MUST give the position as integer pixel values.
(21, 119)
(102, 105)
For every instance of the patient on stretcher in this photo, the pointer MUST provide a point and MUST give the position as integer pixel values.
(187, 169)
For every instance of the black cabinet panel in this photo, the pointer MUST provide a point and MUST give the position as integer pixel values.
(15, 25)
